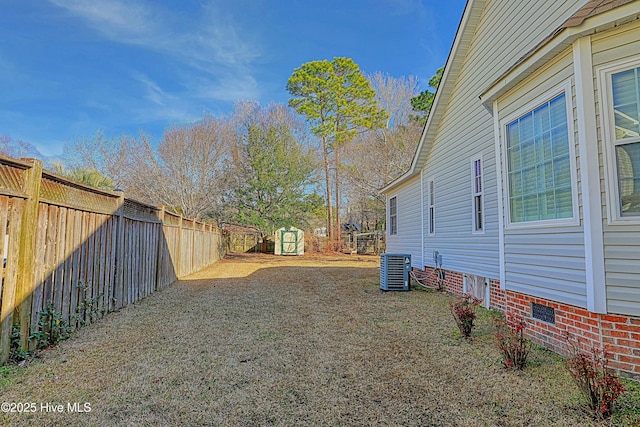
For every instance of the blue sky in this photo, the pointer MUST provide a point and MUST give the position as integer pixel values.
(69, 68)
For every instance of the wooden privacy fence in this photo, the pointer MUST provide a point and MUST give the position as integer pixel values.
(84, 252)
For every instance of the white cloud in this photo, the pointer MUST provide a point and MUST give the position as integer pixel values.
(226, 88)
(121, 21)
(212, 37)
(212, 42)
(154, 92)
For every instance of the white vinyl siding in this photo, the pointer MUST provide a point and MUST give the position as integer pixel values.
(612, 49)
(503, 33)
(497, 39)
(408, 237)
(545, 259)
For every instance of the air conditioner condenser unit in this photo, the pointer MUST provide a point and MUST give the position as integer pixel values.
(394, 272)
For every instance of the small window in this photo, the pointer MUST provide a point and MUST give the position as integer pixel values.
(393, 215)
(432, 207)
(539, 164)
(625, 91)
(478, 196)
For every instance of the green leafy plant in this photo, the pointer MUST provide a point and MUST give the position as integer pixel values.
(510, 340)
(51, 328)
(598, 384)
(16, 352)
(87, 310)
(464, 313)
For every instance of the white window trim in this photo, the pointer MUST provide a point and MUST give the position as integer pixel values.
(395, 196)
(586, 124)
(474, 229)
(431, 206)
(422, 223)
(609, 141)
(500, 192)
(574, 220)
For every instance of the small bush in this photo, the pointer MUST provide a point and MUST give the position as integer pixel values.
(51, 328)
(511, 341)
(464, 312)
(16, 353)
(596, 382)
(87, 310)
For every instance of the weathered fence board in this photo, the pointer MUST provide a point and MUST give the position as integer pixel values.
(93, 251)
(14, 207)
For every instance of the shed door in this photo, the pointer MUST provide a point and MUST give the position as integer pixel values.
(289, 242)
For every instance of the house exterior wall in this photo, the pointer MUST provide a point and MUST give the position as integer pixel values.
(619, 335)
(408, 237)
(586, 267)
(466, 132)
(544, 260)
(621, 238)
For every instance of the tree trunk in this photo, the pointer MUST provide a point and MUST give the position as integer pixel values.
(338, 224)
(327, 175)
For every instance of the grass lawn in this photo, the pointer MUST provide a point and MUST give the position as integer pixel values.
(263, 340)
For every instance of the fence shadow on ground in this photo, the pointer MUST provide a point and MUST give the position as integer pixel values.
(79, 253)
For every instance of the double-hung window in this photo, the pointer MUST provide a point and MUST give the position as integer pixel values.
(432, 207)
(539, 170)
(477, 196)
(623, 115)
(393, 215)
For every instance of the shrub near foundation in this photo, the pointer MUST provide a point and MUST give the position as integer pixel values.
(511, 341)
(600, 386)
(464, 313)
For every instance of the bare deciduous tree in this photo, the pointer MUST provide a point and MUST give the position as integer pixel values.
(17, 148)
(188, 174)
(377, 157)
(114, 158)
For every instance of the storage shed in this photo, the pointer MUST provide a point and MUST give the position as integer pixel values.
(289, 241)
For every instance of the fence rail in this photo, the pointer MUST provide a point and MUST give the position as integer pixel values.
(84, 252)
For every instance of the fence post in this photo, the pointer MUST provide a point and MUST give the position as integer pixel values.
(179, 254)
(118, 283)
(27, 249)
(161, 245)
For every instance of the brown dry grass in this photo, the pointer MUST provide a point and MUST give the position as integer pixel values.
(260, 340)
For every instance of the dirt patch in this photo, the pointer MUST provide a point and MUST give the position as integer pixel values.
(263, 340)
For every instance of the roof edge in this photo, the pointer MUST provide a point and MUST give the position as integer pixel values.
(561, 38)
(434, 114)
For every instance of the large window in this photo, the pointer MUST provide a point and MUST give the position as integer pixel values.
(477, 196)
(625, 91)
(539, 164)
(393, 215)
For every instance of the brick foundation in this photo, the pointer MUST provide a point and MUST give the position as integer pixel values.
(618, 335)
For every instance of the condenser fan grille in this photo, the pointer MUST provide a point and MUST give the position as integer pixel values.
(394, 272)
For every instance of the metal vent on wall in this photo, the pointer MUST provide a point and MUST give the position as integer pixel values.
(394, 272)
(543, 312)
